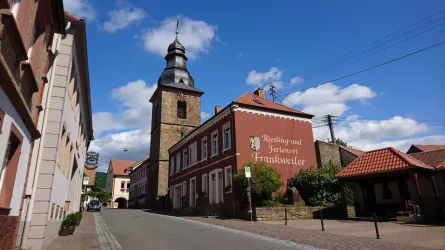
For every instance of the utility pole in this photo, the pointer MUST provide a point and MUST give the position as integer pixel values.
(331, 128)
(273, 92)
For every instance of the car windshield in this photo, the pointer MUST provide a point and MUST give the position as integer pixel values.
(94, 202)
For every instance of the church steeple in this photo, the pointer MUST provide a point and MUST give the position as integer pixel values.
(175, 73)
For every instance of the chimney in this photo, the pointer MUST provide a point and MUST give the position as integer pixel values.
(259, 92)
(217, 109)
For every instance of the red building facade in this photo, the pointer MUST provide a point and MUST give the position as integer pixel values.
(202, 163)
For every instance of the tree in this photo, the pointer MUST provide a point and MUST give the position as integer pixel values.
(264, 182)
(338, 141)
(99, 193)
(320, 187)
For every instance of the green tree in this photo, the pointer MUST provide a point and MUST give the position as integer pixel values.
(264, 182)
(99, 193)
(320, 187)
(338, 141)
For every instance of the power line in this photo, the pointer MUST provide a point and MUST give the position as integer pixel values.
(367, 69)
(358, 51)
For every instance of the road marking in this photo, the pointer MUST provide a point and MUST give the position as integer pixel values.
(106, 238)
(236, 231)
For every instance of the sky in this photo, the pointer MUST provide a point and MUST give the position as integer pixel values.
(237, 46)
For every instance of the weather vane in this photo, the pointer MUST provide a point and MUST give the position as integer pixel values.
(177, 26)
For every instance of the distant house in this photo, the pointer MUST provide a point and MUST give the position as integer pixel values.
(118, 183)
(90, 172)
(391, 183)
(337, 154)
(138, 187)
(417, 148)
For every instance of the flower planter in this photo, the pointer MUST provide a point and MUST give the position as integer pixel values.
(64, 231)
(77, 223)
(71, 229)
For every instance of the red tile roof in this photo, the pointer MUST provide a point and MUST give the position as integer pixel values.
(425, 148)
(435, 159)
(248, 99)
(68, 15)
(90, 172)
(119, 166)
(381, 160)
(357, 152)
(137, 164)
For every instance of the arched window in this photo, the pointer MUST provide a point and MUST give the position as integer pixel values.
(182, 110)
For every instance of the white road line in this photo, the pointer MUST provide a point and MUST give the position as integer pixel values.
(106, 238)
(236, 231)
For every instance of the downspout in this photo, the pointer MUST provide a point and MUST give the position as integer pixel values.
(30, 193)
(234, 166)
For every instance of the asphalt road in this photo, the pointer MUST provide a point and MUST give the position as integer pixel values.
(135, 229)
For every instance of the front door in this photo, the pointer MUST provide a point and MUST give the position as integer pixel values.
(177, 198)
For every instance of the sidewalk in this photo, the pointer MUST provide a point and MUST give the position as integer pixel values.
(92, 233)
(417, 235)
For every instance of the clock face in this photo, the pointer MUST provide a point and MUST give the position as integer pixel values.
(181, 97)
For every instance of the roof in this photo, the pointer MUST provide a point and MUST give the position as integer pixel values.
(249, 99)
(137, 164)
(90, 173)
(357, 152)
(423, 148)
(381, 160)
(70, 16)
(119, 166)
(435, 159)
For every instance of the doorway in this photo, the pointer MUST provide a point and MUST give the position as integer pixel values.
(177, 197)
(216, 187)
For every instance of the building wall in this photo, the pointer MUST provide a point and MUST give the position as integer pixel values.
(286, 144)
(327, 152)
(117, 193)
(138, 188)
(346, 157)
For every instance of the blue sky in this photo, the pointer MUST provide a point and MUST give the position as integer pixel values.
(236, 46)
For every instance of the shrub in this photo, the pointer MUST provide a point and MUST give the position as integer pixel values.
(70, 220)
(272, 203)
(78, 216)
(264, 182)
(320, 187)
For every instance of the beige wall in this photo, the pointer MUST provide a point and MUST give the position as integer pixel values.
(117, 187)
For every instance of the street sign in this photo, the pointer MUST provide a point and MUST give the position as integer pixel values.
(247, 172)
(86, 179)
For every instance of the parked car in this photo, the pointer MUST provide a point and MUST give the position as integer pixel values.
(94, 205)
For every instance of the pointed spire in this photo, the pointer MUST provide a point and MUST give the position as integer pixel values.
(177, 26)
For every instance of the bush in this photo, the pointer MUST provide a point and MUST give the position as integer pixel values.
(264, 182)
(272, 203)
(78, 216)
(320, 186)
(70, 220)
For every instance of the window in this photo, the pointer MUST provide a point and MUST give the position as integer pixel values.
(184, 158)
(62, 145)
(386, 192)
(226, 138)
(172, 165)
(204, 149)
(15, 7)
(184, 189)
(214, 143)
(182, 110)
(128, 185)
(192, 192)
(122, 184)
(228, 179)
(193, 154)
(204, 185)
(178, 163)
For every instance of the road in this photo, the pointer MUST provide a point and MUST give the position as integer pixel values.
(136, 229)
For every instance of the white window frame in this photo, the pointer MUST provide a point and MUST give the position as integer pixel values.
(204, 185)
(226, 126)
(226, 178)
(178, 163)
(184, 189)
(172, 165)
(185, 158)
(204, 139)
(212, 143)
(190, 193)
(191, 162)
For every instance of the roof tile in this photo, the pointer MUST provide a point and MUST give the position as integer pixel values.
(119, 166)
(435, 158)
(380, 160)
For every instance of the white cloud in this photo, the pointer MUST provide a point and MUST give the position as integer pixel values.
(195, 35)
(259, 79)
(124, 17)
(204, 116)
(328, 98)
(104, 121)
(80, 8)
(399, 132)
(296, 80)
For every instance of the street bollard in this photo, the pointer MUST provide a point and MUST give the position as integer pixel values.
(321, 217)
(376, 227)
(285, 216)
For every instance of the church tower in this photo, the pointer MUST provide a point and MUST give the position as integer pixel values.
(176, 110)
